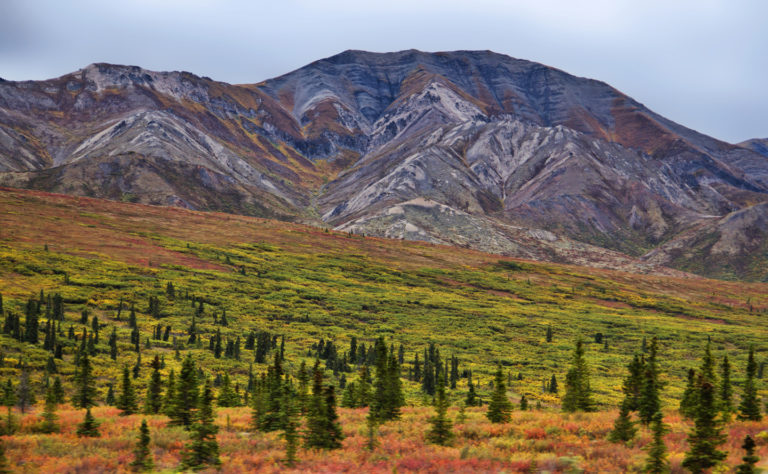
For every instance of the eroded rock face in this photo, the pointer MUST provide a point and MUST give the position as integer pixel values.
(513, 156)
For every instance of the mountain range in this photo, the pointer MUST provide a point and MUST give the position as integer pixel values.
(468, 148)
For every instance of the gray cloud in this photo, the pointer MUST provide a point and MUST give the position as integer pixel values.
(701, 63)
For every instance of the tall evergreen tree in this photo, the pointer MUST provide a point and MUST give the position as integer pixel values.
(386, 403)
(471, 399)
(169, 400)
(154, 400)
(271, 418)
(706, 436)
(633, 384)
(290, 424)
(440, 432)
(85, 394)
(186, 394)
(578, 392)
(364, 387)
(227, 395)
(726, 391)
(203, 449)
(749, 408)
(689, 401)
(748, 466)
(126, 402)
(500, 407)
(657, 451)
(110, 399)
(58, 390)
(113, 344)
(394, 388)
(142, 456)
(649, 402)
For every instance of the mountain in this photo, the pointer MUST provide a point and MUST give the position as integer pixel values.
(470, 148)
(758, 145)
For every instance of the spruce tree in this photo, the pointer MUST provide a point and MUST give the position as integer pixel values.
(689, 401)
(271, 418)
(748, 466)
(203, 449)
(331, 425)
(85, 393)
(633, 384)
(290, 424)
(89, 428)
(726, 391)
(49, 422)
(349, 398)
(58, 390)
(706, 435)
(154, 399)
(142, 456)
(649, 403)
(553, 384)
(380, 402)
(126, 402)
(394, 392)
(749, 408)
(186, 394)
(471, 399)
(315, 436)
(440, 433)
(623, 428)
(110, 400)
(500, 407)
(578, 392)
(657, 451)
(363, 393)
(227, 395)
(170, 395)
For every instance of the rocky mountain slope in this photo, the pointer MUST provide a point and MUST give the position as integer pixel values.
(470, 148)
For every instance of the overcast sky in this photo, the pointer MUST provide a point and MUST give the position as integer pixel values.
(702, 63)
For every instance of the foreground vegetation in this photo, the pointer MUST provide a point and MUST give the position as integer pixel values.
(231, 292)
(531, 441)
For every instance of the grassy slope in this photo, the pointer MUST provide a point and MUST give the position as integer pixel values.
(306, 283)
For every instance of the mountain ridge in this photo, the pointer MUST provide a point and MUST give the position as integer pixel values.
(346, 139)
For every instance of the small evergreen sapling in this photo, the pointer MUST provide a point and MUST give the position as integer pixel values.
(748, 466)
(89, 428)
